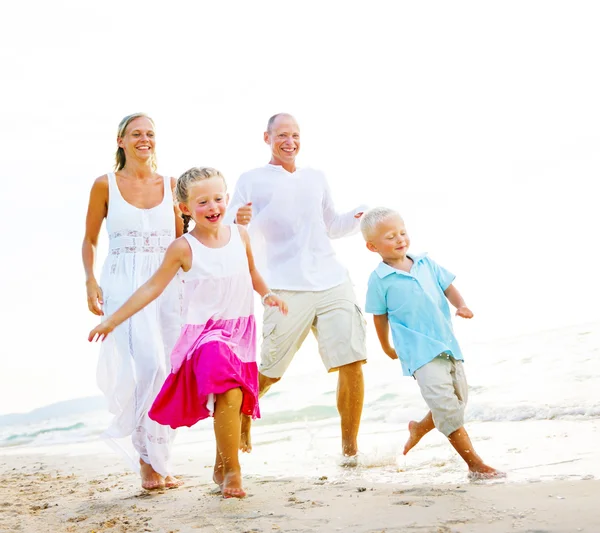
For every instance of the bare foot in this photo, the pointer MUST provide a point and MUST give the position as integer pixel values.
(414, 436)
(151, 480)
(484, 471)
(349, 461)
(171, 482)
(218, 475)
(232, 486)
(245, 441)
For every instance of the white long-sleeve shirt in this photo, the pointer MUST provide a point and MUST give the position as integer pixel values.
(292, 223)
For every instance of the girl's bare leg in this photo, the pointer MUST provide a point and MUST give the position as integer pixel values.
(227, 432)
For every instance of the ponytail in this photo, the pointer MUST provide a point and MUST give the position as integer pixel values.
(186, 222)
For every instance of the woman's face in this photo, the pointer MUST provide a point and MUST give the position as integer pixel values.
(139, 139)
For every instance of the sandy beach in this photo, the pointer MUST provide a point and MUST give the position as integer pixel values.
(94, 493)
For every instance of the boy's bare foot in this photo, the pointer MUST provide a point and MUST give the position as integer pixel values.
(484, 471)
(171, 482)
(151, 480)
(414, 436)
(232, 486)
(245, 440)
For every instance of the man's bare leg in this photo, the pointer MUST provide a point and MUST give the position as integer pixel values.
(350, 397)
(264, 384)
(477, 468)
(417, 430)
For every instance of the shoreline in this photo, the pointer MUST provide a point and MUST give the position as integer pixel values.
(95, 493)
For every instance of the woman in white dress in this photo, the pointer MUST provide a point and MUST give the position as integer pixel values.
(141, 220)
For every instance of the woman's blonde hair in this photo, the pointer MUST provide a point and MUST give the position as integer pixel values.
(184, 181)
(120, 154)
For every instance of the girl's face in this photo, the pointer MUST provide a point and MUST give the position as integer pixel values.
(138, 141)
(207, 202)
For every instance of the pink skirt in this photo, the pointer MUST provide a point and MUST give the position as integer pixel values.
(212, 369)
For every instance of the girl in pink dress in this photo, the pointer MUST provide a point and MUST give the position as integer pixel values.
(213, 364)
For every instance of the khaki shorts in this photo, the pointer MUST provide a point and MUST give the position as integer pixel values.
(444, 388)
(335, 319)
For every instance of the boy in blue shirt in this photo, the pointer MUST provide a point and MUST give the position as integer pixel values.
(409, 294)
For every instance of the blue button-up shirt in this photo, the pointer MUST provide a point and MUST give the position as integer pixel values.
(417, 309)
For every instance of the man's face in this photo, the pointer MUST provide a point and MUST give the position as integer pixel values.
(284, 140)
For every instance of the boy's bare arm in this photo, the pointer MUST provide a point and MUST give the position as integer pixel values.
(382, 328)
(455, 298)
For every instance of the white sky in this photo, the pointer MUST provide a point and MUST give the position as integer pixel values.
(479, 121)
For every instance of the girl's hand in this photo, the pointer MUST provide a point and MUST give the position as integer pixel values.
(100, 332)
(275, 301)
(94, 297)
(464, 312)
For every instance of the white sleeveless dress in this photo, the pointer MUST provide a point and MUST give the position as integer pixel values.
(134, 358)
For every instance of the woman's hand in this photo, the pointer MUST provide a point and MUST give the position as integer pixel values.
(94, 297)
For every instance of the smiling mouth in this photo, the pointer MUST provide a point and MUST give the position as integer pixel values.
(213, 218)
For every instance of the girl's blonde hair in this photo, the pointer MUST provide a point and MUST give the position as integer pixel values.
(190, 176)
(120, 154)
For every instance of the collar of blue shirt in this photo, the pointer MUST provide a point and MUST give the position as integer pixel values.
(384, 269)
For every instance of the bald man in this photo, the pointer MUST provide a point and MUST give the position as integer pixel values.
(293, 221)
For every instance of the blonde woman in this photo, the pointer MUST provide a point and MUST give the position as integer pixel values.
(141, 221)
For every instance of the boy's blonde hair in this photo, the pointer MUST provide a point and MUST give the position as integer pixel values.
(373, 217)
(182, 189)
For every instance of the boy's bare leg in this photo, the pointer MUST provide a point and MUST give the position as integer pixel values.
(477, 468)
(350, 397)
(227, 433)
(264, 384)
(417, 430)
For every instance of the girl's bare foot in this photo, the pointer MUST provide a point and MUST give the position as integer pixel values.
(245, 440)
(484, 471)
(171, 482)
(232, 485)
(151, 480)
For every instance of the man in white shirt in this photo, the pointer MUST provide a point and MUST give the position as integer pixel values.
(293, 221)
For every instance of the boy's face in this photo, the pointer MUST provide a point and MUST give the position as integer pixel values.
(390, 239)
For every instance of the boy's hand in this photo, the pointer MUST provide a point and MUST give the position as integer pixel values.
(100, 332)
(275, 301)
(391, 353)
(464, 312)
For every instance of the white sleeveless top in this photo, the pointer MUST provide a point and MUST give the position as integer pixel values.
(218, 300)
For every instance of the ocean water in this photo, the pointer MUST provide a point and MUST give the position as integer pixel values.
(534, 411)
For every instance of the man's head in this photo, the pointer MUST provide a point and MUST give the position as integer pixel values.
(383, 230)
(283, 137)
